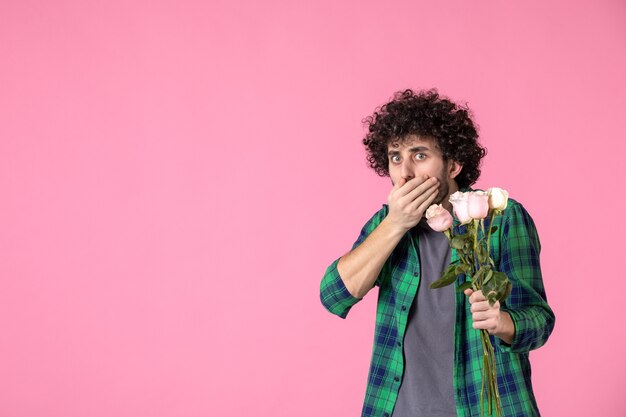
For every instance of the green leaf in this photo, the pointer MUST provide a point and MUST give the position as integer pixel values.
(464, 286)
(480, 254)
(489, 287)
(458, 242)
(477, 277)
(507, 291)
(462, 269)
(492, 297)
(500, 279)
(448, 277)
(443, 281)
(497, 288)
(488, 275)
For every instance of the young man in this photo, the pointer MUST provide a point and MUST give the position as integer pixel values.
(427, 354)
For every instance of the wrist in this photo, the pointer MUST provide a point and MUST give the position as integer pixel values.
(506, 330)
(394, 227)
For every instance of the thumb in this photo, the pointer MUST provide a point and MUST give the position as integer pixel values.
(468, 292)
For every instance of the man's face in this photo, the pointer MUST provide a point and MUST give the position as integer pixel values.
(415, 156)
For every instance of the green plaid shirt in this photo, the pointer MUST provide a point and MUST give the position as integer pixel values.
(515, 250)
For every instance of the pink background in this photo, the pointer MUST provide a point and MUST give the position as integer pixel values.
(177, 175)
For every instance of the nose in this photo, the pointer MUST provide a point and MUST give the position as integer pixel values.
(406, 171)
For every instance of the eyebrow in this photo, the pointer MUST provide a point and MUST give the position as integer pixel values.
(413, 149)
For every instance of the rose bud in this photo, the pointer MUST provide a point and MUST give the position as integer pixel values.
(478, 204)
(460, 206)
(498, 198)
(438, 218)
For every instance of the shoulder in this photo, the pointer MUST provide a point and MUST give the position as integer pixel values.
(516, 221)
(381, 213)
(515, 210)
(371, 224)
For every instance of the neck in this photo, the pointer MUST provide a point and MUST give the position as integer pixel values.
(452, 188)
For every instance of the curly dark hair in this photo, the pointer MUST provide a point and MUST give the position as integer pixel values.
(427, 115)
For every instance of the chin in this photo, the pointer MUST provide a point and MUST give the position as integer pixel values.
(442, 197)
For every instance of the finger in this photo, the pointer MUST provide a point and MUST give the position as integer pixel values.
(481, 316)
(488, 325)
(396, 186)
(477, 297)
(421, 199)
(411, 185)
(421, 188)
(399, 184)
(479, 306)
(429, 200)
(468, 292)
(484, 306)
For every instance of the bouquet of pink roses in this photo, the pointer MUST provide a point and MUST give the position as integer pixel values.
(471, 209)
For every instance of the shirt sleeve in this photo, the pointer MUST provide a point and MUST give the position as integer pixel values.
(527, 304)
(334, 295)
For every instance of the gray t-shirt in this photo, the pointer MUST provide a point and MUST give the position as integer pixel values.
(426, 389)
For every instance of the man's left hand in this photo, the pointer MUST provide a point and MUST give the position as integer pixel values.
(490, 318)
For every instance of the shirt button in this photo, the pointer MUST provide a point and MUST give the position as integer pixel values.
(399, 343)
(386, 415)
(396, 379)
(415, 273)
(403, 308)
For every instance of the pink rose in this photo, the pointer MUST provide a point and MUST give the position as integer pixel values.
(460, 206)
(438, 218)
(478, 204)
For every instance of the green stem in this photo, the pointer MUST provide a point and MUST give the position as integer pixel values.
(482, 227)
(475, 250)
(486, 368)
(483, 376)
(489, 381)
(493, 214)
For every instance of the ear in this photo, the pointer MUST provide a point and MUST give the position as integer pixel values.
(454, 168)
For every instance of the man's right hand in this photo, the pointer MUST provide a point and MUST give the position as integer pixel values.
(409, 200)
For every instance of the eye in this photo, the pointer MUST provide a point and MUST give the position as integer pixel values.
(420, 156)
(394, 159)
